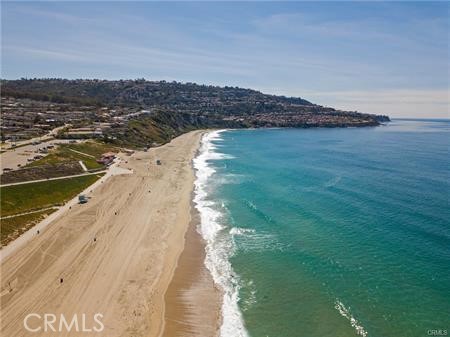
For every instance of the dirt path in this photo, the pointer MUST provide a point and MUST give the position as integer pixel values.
(56, 178)
(116, 254)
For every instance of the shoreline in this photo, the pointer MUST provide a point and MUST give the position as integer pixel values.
(219, 243)
(28, 235)
(115, 255)
(192, 300)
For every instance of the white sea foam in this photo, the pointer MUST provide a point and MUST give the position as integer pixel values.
(219, 246)
(347, 314)
(251, 240)
(333, 182)
(251, 298)
(230, 178)
(241, 231)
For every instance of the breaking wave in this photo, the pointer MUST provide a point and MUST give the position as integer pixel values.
(347, 314)
(219, 245)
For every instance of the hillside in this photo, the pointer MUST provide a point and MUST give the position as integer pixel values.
(141, 112)
(146, 93)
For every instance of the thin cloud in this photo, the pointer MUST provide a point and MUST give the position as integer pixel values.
(397, 103)
(352, 62)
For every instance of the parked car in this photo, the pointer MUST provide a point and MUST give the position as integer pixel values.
(82, 199)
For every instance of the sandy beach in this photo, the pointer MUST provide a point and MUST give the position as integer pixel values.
(192, 300)
(117, 255)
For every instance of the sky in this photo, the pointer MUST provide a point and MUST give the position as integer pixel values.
(377, 57)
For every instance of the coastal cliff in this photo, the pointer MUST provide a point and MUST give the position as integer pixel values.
(141, 112)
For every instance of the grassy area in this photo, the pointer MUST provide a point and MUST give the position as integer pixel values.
(95, 149)
(26, 197)
(63, 153)
(11, 228)
(41, 172)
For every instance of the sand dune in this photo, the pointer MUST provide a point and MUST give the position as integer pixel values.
(138, 221)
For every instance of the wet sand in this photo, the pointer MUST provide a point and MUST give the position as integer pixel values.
(192, 300)
(116, 255)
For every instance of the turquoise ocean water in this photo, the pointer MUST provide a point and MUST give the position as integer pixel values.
(329, 232)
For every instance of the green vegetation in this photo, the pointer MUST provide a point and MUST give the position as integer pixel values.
(41, 172)
(60, 162)
(92, 148)
(156, 111)
(36, 197)
(11, 228)
(136, 92)
(147, 131)
(33, 196)
(88, 152)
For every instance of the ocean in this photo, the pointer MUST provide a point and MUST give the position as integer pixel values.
(329, 232)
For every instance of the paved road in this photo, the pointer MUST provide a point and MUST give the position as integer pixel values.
(82, 153)
(83, 166)
(8, 145)
(30, 212)
(57, 178)
(113, 170)
(18, 156)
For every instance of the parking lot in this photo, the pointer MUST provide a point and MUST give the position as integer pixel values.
(17, 157)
